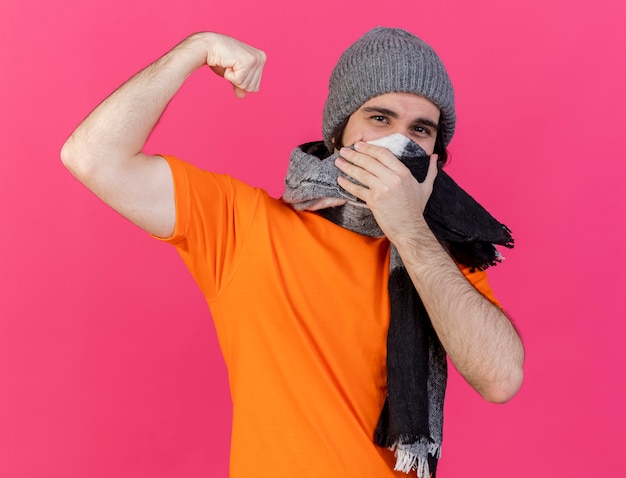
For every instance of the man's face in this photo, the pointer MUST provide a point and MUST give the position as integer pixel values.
(406, 113)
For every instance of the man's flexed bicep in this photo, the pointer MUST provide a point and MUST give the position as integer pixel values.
(105, 152)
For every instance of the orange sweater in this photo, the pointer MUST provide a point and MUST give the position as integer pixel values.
(301, 311)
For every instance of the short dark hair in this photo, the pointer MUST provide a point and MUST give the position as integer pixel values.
(440, 147)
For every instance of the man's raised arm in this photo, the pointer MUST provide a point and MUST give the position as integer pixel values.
(105, 151)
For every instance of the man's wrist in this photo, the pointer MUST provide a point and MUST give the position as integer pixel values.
(193, 50)
(420, 248)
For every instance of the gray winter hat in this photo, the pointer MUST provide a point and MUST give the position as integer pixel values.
(387, 60)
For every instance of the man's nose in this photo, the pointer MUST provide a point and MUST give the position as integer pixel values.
(402, 129)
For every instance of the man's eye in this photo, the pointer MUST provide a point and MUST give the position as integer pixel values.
(421, 130)
(378, 118)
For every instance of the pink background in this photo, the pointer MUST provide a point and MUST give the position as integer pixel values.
(108, 360)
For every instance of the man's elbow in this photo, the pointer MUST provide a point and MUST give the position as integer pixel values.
(504, 390)
(75, 159)
(69, 155)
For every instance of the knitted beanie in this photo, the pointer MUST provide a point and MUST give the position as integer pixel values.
(387, 60)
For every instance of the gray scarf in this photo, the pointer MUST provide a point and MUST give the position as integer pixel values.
(411, 422)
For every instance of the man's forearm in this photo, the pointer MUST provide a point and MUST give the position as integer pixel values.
(477, 335)
(119, 127)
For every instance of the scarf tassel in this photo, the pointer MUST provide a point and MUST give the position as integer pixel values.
(407, 458)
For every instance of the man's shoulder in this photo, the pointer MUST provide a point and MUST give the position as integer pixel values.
(188, 174)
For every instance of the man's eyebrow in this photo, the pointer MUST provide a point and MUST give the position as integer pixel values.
(381, 110)
(425, 122)
(392, 114)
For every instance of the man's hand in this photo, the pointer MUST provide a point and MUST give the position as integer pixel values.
(235, 61)
(394, 196)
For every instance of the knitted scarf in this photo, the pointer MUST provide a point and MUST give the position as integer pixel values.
(411, 421)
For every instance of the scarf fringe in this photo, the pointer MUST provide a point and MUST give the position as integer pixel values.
(407, 459)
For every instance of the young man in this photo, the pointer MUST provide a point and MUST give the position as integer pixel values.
(334, 305)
